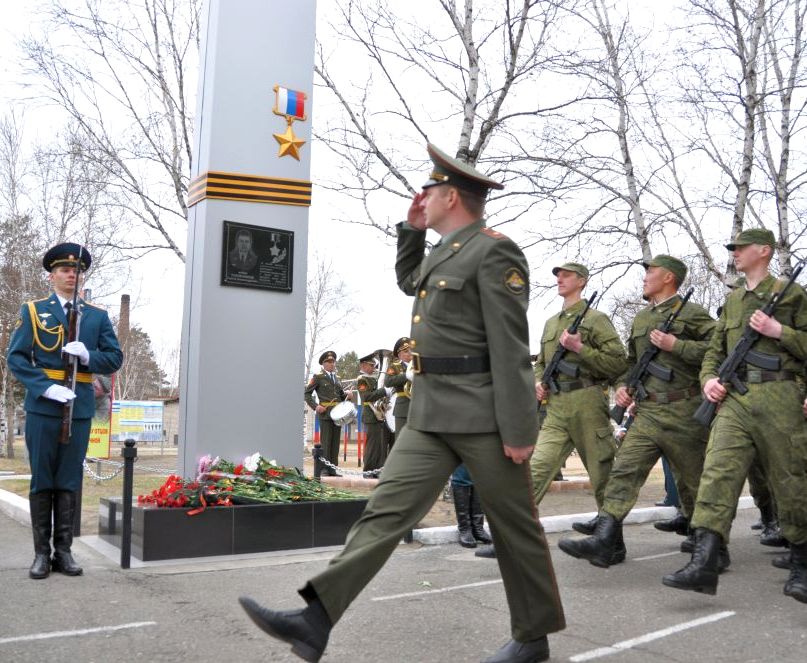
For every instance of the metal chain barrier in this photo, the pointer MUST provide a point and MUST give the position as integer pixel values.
(118, 469)
(369, 474)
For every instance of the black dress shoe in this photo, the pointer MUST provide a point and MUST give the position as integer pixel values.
(679, 525)
(40, 569)
(586, 527)
(305, 630)
(514, 651)
(488, 552)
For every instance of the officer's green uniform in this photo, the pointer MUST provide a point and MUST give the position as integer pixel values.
(663, 422)
(396, 378)
(330, 392)
(577, 416)
(767, 421)
(474, 392)
(375, 453)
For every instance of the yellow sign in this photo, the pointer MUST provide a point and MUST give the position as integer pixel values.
(99, 438)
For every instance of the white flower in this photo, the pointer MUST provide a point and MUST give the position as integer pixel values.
(251, 462)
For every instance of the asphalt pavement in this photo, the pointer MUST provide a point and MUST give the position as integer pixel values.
(430, 603)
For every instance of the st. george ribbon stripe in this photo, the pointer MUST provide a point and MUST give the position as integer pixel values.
(252, 188)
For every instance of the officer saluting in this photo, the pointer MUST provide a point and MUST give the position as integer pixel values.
(329, 391)
(473, 401)
(35, 357)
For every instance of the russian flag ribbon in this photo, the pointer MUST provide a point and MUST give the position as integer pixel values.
(290, 102)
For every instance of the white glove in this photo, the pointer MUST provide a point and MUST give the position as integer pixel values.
(390, 391)
(78, 349)
(410, 372)
(57, 392)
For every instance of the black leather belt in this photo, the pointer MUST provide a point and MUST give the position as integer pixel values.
(450, 365)
(664, 397)
(574, 385)
(755, 377)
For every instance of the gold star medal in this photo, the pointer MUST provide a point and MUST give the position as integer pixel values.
(291, 105)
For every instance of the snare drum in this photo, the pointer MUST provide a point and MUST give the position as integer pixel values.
(344, 413)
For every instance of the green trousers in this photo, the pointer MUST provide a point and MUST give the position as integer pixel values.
(759, 488)
(574, 420)
(413, 477)
(768, 423)
(658, 429)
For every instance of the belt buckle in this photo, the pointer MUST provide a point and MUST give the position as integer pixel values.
(663, 398)
(416, 363)
(753, 377)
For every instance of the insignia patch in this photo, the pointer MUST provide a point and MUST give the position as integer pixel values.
(514, 281)
(18, 324)
(495, 234)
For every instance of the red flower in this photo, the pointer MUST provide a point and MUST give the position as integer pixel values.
(239, 470)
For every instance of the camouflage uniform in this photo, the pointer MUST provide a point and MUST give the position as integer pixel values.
(663, 422)
(577, 416)
(767, 421)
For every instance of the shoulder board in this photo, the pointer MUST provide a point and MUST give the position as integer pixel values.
(95, 306)
(495, 234)
(36, 301)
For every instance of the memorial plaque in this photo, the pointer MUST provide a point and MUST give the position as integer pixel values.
(257, 257)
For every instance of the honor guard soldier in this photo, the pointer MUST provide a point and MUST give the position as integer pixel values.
(766, 421)
(663, 422)
(577, 414)
(473, 401)
(398, 380)
(375, 453)
(329, 391)
(36, 357)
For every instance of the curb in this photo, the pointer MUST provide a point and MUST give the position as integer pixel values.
(15, 507)
(346, 481)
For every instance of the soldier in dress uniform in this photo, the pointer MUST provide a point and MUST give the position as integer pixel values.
(36, 358)
(577, 416)
(397, 379)
(473, 401)
(329, 391)
(663, 422)
(375, 452)
(767, 421)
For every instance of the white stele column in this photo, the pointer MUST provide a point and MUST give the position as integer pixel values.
(243, 330)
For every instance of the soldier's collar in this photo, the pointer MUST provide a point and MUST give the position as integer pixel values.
(574, 307)
(663, 302)
(457, 238)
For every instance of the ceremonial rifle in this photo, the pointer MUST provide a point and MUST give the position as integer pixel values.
(558, 364)
(728, 373)
(71, 361)
(647, 364)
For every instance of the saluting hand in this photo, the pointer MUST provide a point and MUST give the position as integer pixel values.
(416, 216)
(714, 391)
(766, 325)
(662, 341)
(518, 454)
(572, 342)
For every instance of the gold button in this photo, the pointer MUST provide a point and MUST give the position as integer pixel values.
(416, 319)
(422, 294)
(412, 342)
(456, 245)
(441, 284)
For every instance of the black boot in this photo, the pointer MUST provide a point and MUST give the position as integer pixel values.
(462, 506)
(514, 651)
(478, 519)
(771, 534)
(723, 558)
(796, 585)
(700, 574)
(41, 508)
(306, 630)
(601, 549)
(758, 525)
(679, 524)
(782, 562)
(64, 511)
(585, 527)
(688, 544)
(316, 452)
(487, 552)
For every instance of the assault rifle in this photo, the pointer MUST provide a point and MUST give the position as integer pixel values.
(647, 364)
(70, 361)
(558, 364)
(741, 354)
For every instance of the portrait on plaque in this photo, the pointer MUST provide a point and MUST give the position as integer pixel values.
(257, 257)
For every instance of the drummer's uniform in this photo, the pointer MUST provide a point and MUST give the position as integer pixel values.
(396, 378)
(375, 451)
(330, 392)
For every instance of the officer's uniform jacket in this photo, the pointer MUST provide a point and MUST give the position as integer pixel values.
(396, 378)
(367, 386)
(329, 393)
(741, 303)
(693, 330)
(602, 357)
(471, 296)
(35, 354)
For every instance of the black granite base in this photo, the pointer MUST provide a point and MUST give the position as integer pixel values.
(161, 533)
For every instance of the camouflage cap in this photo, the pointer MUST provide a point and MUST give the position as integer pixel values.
(448, 170)
(753, 236)
(671, 264)
(575, 267)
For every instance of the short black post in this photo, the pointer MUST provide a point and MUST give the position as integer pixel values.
(77, 514)
(129, 453)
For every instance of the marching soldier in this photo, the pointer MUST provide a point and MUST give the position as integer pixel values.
(329, 391)
(663, 422)
(36, 358)
(397, 378)
(577, 416)
(473, 401)
(767, 421)
(375, 453)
